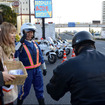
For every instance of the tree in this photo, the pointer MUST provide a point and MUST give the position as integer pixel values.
(1, 19)
(8, 14)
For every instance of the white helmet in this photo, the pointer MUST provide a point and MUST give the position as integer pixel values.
(27, 27)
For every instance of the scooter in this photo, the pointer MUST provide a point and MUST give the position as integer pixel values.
(48, 51)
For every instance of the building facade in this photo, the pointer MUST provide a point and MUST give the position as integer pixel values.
(103, 14)
(25, 11)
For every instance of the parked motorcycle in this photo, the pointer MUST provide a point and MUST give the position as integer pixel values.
(65, 45)
(48, 51)
(57, 46)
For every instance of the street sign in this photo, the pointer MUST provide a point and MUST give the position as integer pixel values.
(43, 8)
(96, 21)
(15, 4)
(71, 24)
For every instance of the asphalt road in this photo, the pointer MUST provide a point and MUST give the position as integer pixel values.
(31, 99)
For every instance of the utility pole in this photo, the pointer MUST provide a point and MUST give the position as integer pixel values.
(43, 28)
(20, 5)
(29, 12)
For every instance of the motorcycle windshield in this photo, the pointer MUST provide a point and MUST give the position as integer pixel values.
(50, 40)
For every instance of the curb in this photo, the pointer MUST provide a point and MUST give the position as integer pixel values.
(100, 39)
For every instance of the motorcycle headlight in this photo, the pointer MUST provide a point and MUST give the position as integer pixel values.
(52, 48)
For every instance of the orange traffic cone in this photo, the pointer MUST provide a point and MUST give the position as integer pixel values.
(64, 56)
(73, 54)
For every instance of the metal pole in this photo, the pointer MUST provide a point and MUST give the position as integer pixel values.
(21, 13)
(43, 28)
(29, 12)
(59, 17)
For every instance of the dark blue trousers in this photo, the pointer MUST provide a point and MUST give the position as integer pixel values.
(34, 77)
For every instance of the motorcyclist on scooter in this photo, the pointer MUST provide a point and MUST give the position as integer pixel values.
(31, 56)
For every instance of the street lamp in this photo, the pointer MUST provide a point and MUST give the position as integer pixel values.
(59, 17)
(1, 18)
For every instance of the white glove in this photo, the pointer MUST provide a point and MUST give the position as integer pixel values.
(44, 66)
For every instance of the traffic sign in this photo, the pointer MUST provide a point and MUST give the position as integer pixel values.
(15, 4)
(71, 24)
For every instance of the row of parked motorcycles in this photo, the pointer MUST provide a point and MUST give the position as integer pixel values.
(53, 49)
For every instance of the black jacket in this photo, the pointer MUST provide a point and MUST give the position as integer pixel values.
(1, 79)
(1, 83)
(83, 76)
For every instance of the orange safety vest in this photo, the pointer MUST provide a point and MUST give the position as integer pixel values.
(32, 65)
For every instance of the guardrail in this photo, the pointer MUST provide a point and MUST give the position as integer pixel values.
(79, 25)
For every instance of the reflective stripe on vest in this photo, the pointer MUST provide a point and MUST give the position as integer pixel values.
(6, 90)
(30, 57)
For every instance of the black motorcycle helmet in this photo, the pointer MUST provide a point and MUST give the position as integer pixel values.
(81, 38)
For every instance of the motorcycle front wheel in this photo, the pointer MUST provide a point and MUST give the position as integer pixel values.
(60, 54)
(67, 51)
(52, 58)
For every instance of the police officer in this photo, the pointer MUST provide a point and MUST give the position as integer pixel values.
(83, 76)
(30, 54)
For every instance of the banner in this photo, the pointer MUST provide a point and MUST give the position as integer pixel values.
(43, 8)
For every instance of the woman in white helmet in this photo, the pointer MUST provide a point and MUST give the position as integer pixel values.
(31, 56)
